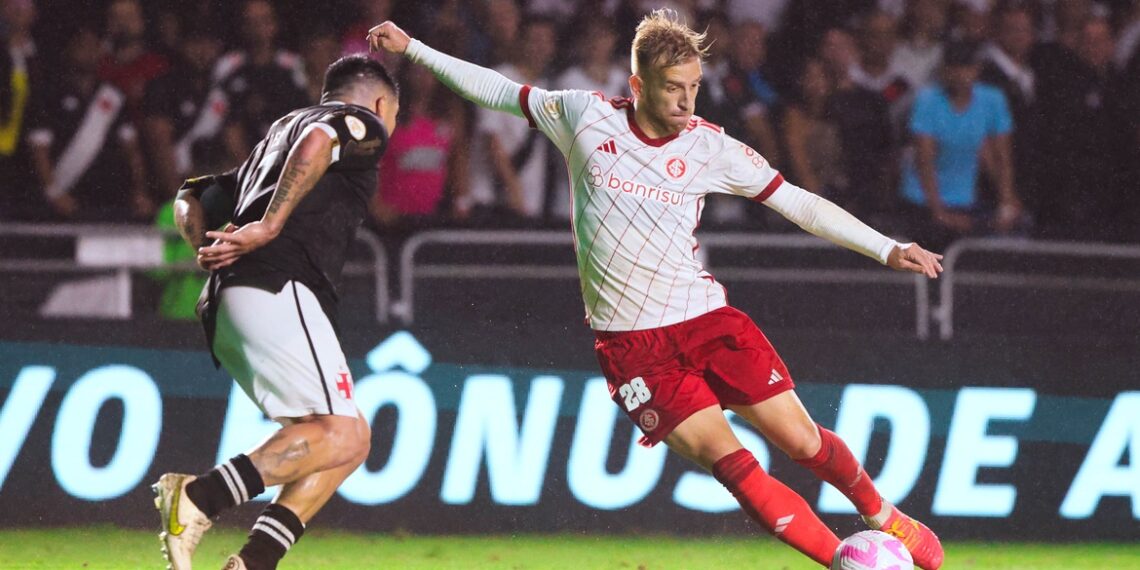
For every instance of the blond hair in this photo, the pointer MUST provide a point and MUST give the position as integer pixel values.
(662, 40)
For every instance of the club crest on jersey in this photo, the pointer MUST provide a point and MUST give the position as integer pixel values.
(675, 167)
(649, 420)
(356, 127)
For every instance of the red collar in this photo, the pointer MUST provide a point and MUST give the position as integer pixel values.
(633, 126)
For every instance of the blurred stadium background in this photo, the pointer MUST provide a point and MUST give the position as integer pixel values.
(997, 403)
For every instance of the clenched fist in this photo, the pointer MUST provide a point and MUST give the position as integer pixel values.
(389, 37)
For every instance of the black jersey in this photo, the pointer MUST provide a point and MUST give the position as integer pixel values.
(257, 94)
(314, 242)
(84, 131)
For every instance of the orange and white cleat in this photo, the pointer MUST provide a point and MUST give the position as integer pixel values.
(922, 543)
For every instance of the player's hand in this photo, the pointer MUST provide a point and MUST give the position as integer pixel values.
(229, 245)
(388, 37)
(914, 258)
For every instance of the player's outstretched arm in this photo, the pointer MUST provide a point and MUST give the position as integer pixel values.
(484, 87)
(823, 218)
(308, 160)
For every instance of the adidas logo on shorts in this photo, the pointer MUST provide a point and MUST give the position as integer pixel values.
(775, 377)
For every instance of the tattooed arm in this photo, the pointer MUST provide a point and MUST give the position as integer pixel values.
(308, 160)
(310, 157)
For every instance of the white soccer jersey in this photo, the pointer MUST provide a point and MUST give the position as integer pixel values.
(637, 202)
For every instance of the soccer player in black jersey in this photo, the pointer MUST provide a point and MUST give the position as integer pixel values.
(269, 307)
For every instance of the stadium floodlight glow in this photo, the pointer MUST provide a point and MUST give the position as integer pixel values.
(969, 447)
(486, 424)
(75, 426)
(907, 413)
(586, 474)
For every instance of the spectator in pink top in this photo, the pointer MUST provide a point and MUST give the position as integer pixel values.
(414, 170)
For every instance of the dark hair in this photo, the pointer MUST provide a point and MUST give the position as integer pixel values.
(352, 69)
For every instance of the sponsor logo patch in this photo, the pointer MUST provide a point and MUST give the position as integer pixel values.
(356, 127)
(552, 107)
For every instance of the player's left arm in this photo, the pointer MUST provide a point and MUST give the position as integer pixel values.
(821, 217)
(308, 161)
(742, 171)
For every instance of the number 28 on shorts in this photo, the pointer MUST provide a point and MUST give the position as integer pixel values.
(634, 393)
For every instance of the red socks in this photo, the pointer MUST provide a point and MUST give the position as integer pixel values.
(776, 507)
(835, 464)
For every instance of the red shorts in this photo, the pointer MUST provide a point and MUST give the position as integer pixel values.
(662, 376)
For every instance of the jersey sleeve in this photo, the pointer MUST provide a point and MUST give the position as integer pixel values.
(556, 113)
(740, 170)
(360, 138)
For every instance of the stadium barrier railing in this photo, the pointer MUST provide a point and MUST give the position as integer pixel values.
(121, 250)
(954, 277)
(411, 269)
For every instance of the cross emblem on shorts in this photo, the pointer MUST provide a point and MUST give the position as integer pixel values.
(345, 384)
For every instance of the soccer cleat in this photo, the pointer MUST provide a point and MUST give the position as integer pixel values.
(922, 543)
(234, 562)
(183, 524)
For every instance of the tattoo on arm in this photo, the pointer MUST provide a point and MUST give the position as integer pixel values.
(295, 171)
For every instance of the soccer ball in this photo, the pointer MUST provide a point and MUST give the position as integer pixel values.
(872, 550)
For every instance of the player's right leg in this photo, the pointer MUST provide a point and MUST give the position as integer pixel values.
(283, 352)
(785, 422)
(314, 444)
(282, 523)
(706, 439)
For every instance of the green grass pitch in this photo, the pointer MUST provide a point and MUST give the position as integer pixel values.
(105, 547)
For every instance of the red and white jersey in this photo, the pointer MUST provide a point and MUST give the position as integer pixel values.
(637, 202)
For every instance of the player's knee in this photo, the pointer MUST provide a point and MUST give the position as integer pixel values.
(802, 443)
(350, 437)
(362, 442)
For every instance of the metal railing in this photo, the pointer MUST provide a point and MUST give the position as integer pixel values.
(410, 270)
(123, 264)
(954, 278)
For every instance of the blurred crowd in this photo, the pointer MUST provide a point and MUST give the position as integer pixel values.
(929, 118)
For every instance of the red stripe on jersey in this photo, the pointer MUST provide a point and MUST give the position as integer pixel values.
(770, 188)
(524, 102)
(704, 123)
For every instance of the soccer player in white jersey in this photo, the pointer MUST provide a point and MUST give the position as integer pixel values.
(672, 350)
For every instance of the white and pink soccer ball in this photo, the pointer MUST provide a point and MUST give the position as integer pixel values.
(872, 550)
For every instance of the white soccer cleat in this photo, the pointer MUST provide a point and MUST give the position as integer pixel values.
(183, 524)
(234, 562)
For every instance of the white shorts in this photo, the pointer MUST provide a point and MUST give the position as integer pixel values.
(282, 350)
